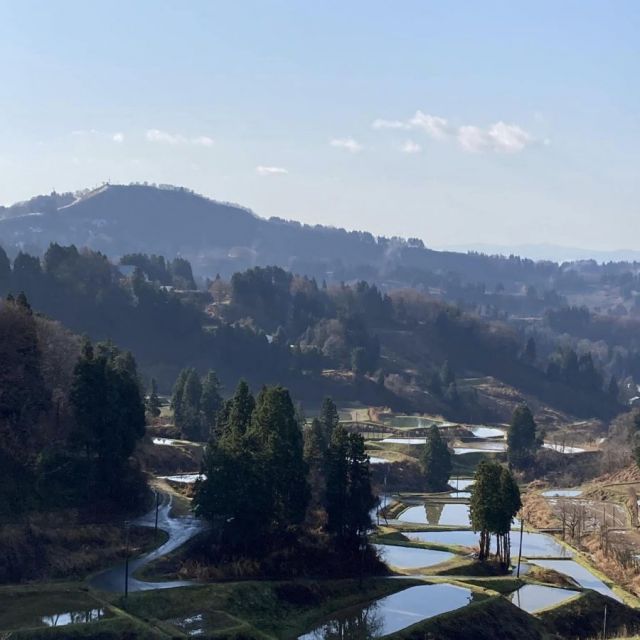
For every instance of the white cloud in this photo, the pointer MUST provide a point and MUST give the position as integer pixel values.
(164, 137)
(501, 137)
(270, 171)
(509, 138)
(349, 144)
(434, 126)
(118, 137)
(410, 147)
(497, 137)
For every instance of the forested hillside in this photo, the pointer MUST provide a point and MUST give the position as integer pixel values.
(403, 348)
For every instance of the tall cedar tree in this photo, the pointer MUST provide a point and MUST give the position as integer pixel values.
(329, 419)
(277, 437)
(210, 401)
(436, 460)
(495, 500)
(521, 438)
(234, 497)
(349, 498)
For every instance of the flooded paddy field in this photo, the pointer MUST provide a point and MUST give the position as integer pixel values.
(411, 557)
(53, 609)
(392, 613)
(534, 545)
(533, 597)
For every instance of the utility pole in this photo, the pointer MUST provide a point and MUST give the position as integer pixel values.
(520, 550)
(126, 559)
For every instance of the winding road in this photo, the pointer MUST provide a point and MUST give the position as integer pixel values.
(180, 530)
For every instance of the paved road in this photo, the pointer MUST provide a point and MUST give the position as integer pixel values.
(180, 530)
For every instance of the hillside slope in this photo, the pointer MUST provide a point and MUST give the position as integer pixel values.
(220, 237)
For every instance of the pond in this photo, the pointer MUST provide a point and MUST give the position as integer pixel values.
(434, 513)
(580, 574)
(487, 432)
(411, 557)
(533, 597)
(392, 613)
(534, 545)
(562, 493)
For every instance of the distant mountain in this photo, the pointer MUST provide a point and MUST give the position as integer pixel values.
(224, 238)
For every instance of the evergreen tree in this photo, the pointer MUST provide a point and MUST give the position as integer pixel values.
(109, 414)
(436, 460)
(495, 500)
(153, 402)
(236, 413)
(349, 498)
(521, 438)
(187, 394)
(210, 400)
(315, 454)
(329, 419)
(277, 436)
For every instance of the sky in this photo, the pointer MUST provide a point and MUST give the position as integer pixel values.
(460, 123)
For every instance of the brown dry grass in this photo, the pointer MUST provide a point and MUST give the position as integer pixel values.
(537, 512)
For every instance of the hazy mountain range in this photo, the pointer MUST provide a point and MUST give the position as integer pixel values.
(219, 237)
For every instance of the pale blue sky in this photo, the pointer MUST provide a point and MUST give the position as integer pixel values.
(457, 122)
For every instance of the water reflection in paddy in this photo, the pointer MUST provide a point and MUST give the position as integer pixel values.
(405, 440)
(73, 617)
(433, 513)
(534, 545)
(580, 574)
(411, 557)
(532, 597)
(461, 483)
(481, 447)
(392, 613)
(487, 432)
(441, 513)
